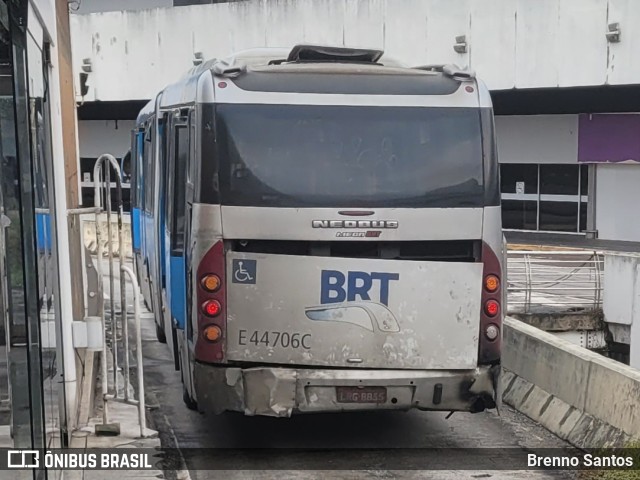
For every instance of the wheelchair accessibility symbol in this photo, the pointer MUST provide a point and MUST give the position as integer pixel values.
(244, 271)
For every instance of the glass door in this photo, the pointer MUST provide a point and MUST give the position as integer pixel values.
(545, 198)
(32, 403)
(21, 414)
(45, 222)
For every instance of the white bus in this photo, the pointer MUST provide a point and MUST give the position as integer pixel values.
(321, 231)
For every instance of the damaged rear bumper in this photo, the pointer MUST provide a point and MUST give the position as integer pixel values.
(280, 392)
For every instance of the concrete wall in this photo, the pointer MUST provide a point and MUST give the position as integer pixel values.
(583, 397)
(92, 6)
(104, 136)
(512, 43)
(44, 25)
(618, 200)
(621, 300)
(537, 139)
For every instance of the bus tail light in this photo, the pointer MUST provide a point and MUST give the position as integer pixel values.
(490, 342)
(211, 308)
(491, 283)
(492, 308)
(211, 300)
(213, 333)
(211, 283)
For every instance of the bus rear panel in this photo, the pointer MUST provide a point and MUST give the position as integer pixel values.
(344, 241)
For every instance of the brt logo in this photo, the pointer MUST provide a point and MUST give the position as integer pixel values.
(336, 287)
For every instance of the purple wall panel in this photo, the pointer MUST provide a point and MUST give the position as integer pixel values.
(608, 138)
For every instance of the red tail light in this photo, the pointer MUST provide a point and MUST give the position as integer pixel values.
(212, 311)
(211, 308)
(491, 310)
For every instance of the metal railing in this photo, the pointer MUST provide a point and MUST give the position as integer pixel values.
(117, 322)
(554, 281)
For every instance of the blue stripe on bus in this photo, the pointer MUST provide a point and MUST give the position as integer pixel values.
(43, 231)
(163, 247)
(135, 226)
(178, 290)
(161, 215)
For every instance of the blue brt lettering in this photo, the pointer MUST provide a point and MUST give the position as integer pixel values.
(336, 287)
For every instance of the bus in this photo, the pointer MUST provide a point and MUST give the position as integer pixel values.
(318, 229)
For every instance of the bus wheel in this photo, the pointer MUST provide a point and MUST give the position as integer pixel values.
(160, 335)
(188, 401)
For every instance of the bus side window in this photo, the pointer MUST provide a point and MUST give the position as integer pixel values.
(133, 155)
(169, 169)
(149, 168)
(181, 156)
(191, 160)
(139, 168)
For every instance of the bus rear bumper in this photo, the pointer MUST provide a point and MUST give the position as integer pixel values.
(281, 392)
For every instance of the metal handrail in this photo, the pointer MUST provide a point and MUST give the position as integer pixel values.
(110, 161)
(554, 280)
(139, 364)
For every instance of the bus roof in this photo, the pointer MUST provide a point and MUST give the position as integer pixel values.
(316, 69)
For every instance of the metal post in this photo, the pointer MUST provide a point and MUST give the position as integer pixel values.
(528, 283)
(110, 161)
(123, 290)
(140, 370)
(112, 301)
(598, 285)
(97, 201)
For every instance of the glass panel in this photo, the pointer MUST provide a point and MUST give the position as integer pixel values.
(181, 158)
(21, 379)
(559, 216)
(559, 179)
(515, 176)
(45, 220)
(28, 233)
(15, 428)
(148, 170)
(583, 217)
(584, 179)
(344, 156)
(519, 214)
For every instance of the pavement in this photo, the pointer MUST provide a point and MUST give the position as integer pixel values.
(174, 426)
(121, 413)
(305, 435)
(127, 417)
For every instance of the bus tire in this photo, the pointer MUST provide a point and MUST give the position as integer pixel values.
(188, 401)
(160, 335)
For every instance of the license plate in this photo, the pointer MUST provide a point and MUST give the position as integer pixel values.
(361, 394)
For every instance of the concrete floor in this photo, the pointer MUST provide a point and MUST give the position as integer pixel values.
(188, 430)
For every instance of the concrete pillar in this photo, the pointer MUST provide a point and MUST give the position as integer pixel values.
(592, 226)
(65, 165)
(621, 300)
